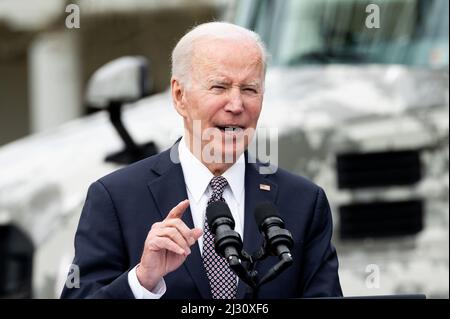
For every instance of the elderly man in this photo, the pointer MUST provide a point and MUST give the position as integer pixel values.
(142, 232)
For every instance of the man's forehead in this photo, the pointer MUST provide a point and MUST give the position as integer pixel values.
(223, 79)
(213, 73)
(216, 48)
(224, 61)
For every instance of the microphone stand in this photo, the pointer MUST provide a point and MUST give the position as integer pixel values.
(239, 269)
(249, 275)
(285, 262)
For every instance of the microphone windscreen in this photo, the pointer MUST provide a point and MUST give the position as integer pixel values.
(265, 210)
(217, 209)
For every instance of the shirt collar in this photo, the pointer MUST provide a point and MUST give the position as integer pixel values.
(197, 176)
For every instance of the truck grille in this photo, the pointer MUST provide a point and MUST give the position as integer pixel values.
(378, 169)
(381, 219)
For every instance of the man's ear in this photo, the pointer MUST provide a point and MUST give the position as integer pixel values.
(178, 96)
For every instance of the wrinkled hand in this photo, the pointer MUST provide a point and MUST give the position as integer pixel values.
(166, 247)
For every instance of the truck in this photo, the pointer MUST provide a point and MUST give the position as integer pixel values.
(359, 92)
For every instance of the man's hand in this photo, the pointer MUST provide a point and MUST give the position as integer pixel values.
(166, 247)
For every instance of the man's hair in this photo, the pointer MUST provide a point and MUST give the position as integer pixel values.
(183, 52)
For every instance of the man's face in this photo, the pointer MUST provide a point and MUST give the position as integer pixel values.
(224, 95)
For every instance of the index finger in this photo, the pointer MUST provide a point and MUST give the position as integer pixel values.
(178, 210)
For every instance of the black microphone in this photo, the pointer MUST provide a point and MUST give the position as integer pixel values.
(227, 241)
(278, 239)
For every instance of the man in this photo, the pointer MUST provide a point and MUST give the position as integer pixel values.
(142, 232)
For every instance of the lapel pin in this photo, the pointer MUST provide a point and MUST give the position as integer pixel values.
(264, 187)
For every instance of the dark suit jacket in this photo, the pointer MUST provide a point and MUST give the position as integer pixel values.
(121, 207)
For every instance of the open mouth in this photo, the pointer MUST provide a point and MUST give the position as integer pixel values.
(230, 128)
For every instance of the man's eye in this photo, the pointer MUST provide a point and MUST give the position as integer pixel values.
(250, 90)
(218, 87)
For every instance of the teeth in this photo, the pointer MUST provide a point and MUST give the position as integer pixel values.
(232, 128)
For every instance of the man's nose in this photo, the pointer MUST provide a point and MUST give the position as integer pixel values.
(235, 103)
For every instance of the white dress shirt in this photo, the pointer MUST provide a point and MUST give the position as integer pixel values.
(197, 178)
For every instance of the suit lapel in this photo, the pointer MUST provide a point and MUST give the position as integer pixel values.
(168, 190)
(258, 188)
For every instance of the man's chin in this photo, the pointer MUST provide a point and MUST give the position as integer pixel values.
(222, 153)
(232, 156)
(233, 150)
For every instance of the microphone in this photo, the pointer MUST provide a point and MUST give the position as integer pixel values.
(227, 241)
(278, 239)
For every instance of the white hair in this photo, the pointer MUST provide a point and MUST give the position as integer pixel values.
(183, 52)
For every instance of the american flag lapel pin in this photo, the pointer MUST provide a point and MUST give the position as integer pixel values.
(264, 187)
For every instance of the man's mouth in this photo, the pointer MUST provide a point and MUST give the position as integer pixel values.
(230, 128)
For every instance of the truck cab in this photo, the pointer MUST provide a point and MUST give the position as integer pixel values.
(359, 93)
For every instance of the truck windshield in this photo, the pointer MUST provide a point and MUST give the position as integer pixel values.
(411, 32)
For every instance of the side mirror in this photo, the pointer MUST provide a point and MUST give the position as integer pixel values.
(121, 81)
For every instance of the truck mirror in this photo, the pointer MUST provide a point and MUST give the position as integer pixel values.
(121, 81)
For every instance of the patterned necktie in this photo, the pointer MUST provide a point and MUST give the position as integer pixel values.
(222, 279)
